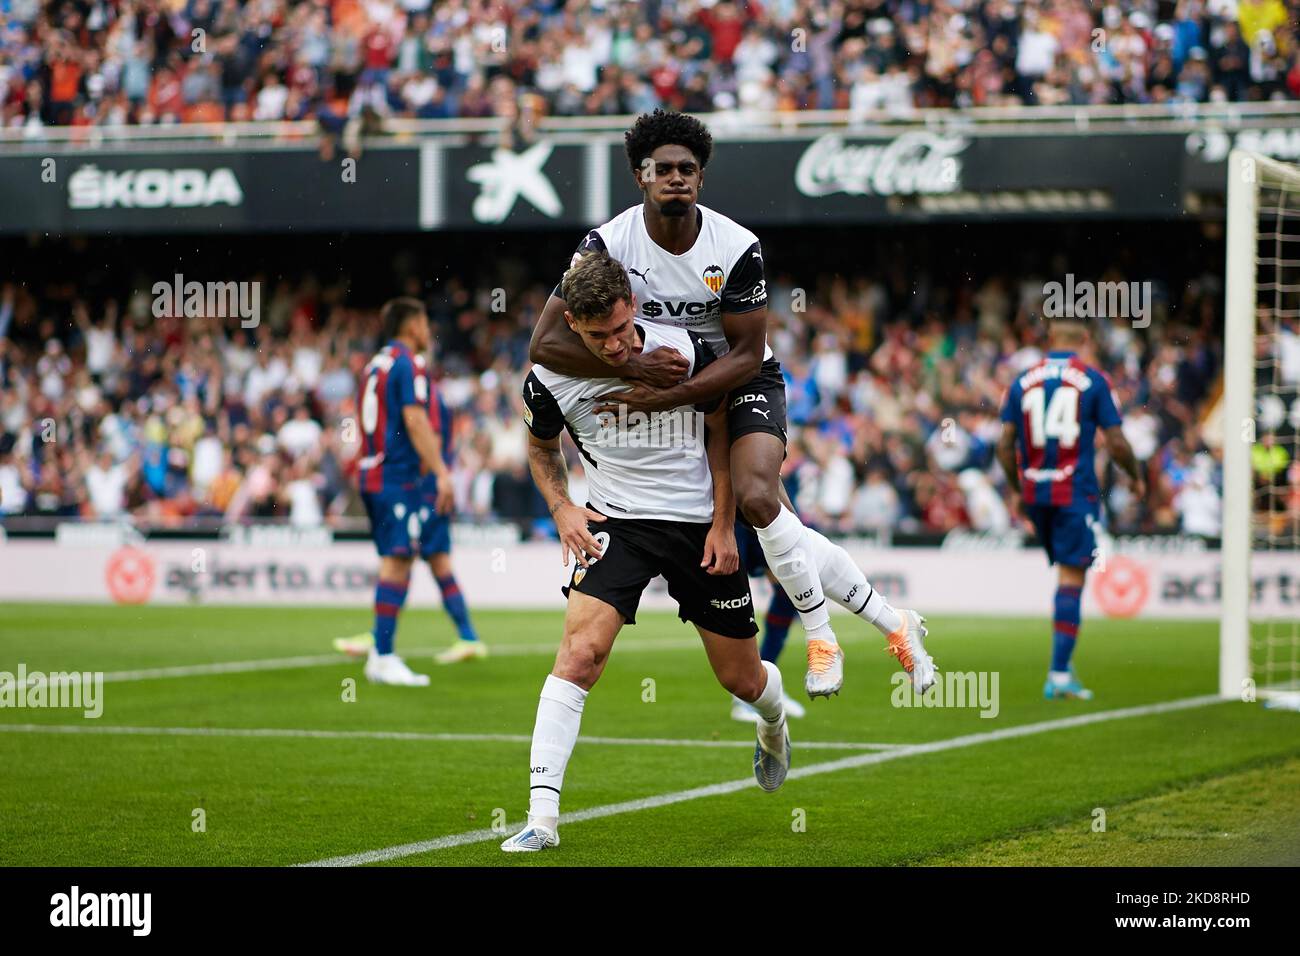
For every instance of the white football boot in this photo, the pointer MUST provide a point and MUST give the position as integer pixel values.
(825, 668)
(771, 766)
(391, 669)
(531, 839)
(908, 645)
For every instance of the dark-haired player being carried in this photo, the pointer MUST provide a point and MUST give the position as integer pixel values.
(1049, 422)
(698, 270)
(660, 504)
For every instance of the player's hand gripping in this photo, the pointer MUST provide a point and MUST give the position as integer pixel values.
(662, 368)
(720, 554)
(637, 397)
(571, 523)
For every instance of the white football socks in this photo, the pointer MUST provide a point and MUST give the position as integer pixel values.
(789, 556)
(847, 586)
(769, 703)
(559, 712)
(771, 708)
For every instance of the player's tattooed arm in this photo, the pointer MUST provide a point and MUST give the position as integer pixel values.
(551, 475)
(555, 346)
(720, 553)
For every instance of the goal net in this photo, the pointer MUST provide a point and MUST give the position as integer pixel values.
(1260, 627)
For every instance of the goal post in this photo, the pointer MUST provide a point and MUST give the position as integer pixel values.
(1259, 404)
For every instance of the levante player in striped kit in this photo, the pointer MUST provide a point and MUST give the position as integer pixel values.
(399, 448)
(1049, 423)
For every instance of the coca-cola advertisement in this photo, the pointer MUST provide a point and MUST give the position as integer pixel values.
(912, 163)
(921, 175)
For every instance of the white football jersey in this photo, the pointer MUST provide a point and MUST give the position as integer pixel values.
(648, 465)
(722, 272)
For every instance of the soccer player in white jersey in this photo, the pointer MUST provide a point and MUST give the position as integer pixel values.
(660, 504)
(698, 270)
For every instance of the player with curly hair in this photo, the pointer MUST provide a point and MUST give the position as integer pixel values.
(696, 269)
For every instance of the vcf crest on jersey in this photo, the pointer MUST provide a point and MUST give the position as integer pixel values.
(714, 278)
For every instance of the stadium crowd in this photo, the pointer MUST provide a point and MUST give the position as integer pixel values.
(894, 388)
(116, 62)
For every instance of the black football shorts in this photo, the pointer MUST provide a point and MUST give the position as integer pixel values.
(635, 550)
(759, 404)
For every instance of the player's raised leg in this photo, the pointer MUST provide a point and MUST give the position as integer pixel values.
(755, 476)
(590, 626)
(739, 669)
(847, 586)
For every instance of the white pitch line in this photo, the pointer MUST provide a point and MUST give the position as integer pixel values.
(326, 660)
(225, 667)
(273, 732)
(733, 786)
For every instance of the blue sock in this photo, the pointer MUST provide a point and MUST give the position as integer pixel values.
(389, 598)
(776, 626)
(454, 602)
(1065, 625)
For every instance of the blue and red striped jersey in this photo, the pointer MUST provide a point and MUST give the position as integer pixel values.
(439, 413)
(389, 384)
(1057, 407)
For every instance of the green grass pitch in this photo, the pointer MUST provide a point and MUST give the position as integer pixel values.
(1204, 784)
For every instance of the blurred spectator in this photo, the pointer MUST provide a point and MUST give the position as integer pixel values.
(112, 62)
(106, 486)
(895, 379)
(1198, 502)
(983, 503)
